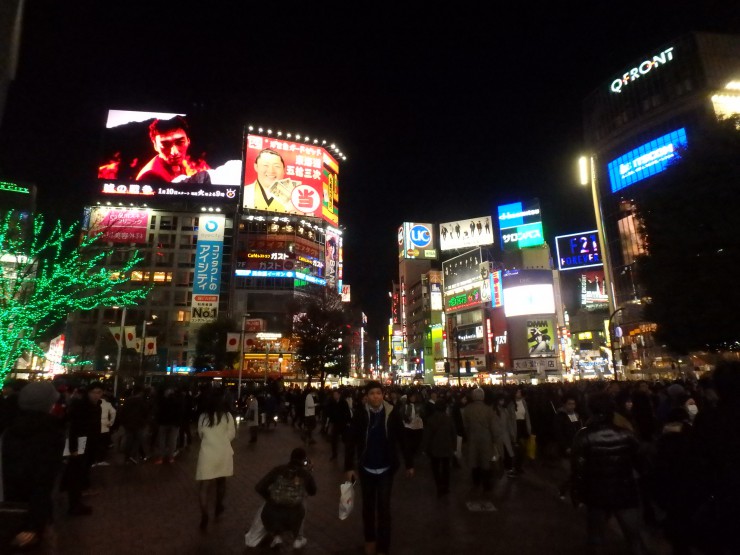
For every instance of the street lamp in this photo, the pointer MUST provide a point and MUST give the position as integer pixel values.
(588, 175)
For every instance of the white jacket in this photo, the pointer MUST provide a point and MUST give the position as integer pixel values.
(107, 416)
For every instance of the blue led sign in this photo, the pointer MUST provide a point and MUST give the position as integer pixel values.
(646, 160)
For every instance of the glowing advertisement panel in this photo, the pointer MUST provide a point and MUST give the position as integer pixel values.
(521, 225)
(497, 294)
(541, 337)
(331, 258)
(461, 301)
(281, 274)
(119, 226)
(145, 152)
(290, 178)
(646, 160)
(464, 234)
(578, 250)
(593, 290)
(462, 270)
(416, 241)
(528, 292)
(207, 274)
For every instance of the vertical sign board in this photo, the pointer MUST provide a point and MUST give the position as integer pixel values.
(207, 275)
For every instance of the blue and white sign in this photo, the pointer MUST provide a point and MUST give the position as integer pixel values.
(520, 224)
(207, 272)
(578, 250)
(646, 160)
(281, 274)
(416, 241)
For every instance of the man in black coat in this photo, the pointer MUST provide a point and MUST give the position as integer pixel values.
(604, 463)
(84, 415)
(567, 424)
(371, 453)
(31, 459)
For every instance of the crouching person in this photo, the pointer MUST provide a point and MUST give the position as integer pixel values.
(285, 489)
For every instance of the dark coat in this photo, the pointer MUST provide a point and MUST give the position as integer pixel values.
(565, 431)
(32, 459)
(604, 460)
(440, 439)
(134, 413)
(356, 438)
(84, 421)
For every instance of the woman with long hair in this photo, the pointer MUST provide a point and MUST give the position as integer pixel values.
(216, 429)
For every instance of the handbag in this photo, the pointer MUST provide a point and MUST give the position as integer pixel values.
(346, 499)
(531, 447)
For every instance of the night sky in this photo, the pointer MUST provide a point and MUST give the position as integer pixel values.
(444, 111)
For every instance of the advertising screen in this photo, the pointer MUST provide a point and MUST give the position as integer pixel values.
(207, 275)
(464, 234)
(646, 160)
(541, 337)
(290, 178)
(528, 292)
(463, 300)
(119, 226)
(462, 270)
(416, 241)
(331, 258)
(578, 250)
(593, 291)
(521, 225)
(144, 152)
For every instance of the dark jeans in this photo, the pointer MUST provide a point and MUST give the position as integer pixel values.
(521, 445)
(376, 508)
(337, 432)
(441, 473)
(629, 520)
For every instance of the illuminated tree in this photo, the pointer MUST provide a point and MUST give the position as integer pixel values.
(45, 275)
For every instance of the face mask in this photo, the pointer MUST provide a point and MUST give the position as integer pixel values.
(692, 409)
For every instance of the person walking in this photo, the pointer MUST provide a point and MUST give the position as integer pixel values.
(567, 424)
(480, 438)
(107, 419)
(439, 443)
(371, 454)
(216, 429)
(169, 417)
(133, 418)
(519, 415)
(604, 465)
(32, 446)
(253, 417)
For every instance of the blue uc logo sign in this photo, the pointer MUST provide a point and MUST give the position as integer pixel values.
(211, 226)
(420, 236)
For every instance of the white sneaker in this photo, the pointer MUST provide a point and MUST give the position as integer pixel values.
(277, 540)
(299, 542)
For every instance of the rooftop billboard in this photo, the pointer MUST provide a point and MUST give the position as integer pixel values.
(521, 225)
(164, 154)
(416, 241)
(464, 234)
(290, 178)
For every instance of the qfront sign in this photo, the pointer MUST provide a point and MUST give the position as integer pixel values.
(643, 68)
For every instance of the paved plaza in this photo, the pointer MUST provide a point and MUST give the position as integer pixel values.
(149, 508)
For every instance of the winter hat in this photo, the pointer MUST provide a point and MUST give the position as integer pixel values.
(37, 396)
(478, 394)
(675, 390)
(298, 456)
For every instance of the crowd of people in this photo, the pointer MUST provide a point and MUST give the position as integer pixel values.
(660, 454)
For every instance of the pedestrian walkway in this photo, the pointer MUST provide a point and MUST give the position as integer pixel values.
(148, 508)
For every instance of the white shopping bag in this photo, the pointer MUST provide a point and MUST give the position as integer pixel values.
(256, 531)
(346, 499)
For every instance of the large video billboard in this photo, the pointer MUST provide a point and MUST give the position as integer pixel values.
(521, 225)
(464, 234)
(541, 337)
(119, 225)
(207, 275)
(290, 178)
(646, 160)
(145, 152)
(528, 292)
(416, 241)
(578, 250)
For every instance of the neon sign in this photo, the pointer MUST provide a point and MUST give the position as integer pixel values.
(642, 69)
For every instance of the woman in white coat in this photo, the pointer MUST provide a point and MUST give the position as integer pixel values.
(216, 429)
